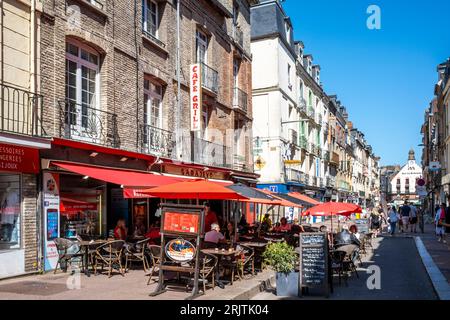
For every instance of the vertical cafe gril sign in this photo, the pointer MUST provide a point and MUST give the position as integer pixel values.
(195, 96)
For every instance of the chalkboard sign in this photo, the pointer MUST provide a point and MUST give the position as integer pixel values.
(314, 261)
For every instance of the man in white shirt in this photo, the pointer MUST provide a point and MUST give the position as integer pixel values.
(215, 236)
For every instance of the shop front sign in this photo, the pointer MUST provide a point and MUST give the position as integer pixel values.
(18, 159)
(195, 96)
(194, 172)
(51, 205)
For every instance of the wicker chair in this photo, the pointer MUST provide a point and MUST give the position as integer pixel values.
(208, 265)
(110, 254)
(137, 253)
(64, 255)
(247, 259)
(155, 256)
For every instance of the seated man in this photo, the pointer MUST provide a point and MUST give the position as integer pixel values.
(215, 236)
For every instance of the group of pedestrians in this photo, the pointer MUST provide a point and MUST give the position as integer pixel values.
(405, 218)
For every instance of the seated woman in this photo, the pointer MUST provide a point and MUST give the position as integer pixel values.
(354, 229)
(229, 233)
(120, 231)
(284, 226)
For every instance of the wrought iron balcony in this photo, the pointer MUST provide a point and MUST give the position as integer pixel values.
(20, 112)
(84, 123)
(211, 154)
(304, 143)
(302, 105)
(331, 181)
(238, 36)
(157, 141)
(239, 162)
(240, 99)
(310, 112)
(293, 175)
(210, 78)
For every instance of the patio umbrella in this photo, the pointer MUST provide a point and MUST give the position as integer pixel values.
(333, 209)
(196, 189)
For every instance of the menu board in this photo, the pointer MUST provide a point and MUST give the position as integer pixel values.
(314, 260)
(181, 222)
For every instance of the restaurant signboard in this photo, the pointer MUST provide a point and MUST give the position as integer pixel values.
(195, 96)
(18, 159)
(194, 172)
(181, 228)
(314, 261)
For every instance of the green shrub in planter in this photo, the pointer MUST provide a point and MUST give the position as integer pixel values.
(281, 257)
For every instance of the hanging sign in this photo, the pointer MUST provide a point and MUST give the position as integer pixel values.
(195, 96)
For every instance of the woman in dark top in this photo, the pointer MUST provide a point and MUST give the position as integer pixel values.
(229, 233)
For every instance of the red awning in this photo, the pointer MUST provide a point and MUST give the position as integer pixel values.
(117, 176)
(303, 198)
(283, 202)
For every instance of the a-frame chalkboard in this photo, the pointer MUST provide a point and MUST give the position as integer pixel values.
(314, 262)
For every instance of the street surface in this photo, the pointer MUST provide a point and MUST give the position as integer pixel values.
(403, 275)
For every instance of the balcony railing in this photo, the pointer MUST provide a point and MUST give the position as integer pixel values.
(211, 154)
(331, 181)
(238, 36)
(240, 99)
(293, 175)
(239, 162)
(310, 112)
(210, 78)
(302, 105)
(20, 112)
(85, 123)
(304, 143)
(157, 141)
(326, 155)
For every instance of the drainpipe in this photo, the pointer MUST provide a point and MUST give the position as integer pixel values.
(178, 134)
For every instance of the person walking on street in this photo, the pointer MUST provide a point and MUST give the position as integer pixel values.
(438, 219)
(392, 219)
(405, 212)
(413, 218)
(375, 222)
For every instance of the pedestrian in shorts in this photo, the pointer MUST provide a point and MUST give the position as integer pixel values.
(405, 212)
(413, 218)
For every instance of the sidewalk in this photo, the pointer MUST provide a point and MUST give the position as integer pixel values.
(439, 252)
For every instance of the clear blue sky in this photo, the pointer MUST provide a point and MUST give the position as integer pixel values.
(384, 77)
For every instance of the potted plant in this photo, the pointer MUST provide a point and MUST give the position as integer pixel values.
(283, 258)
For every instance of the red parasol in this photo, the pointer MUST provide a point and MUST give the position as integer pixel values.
(333, 209)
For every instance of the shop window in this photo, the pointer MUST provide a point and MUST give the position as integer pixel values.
(10, 199)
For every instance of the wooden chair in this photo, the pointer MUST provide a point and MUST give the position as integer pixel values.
(64, 255)
(137, 253)
(155, 256)
(247, 259)
(110, 254)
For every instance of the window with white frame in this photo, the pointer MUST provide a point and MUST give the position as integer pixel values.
(153, 104)
(150, 17)
(201, 44)
(82, 83)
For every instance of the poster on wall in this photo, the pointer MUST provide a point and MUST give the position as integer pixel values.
(51, 205)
